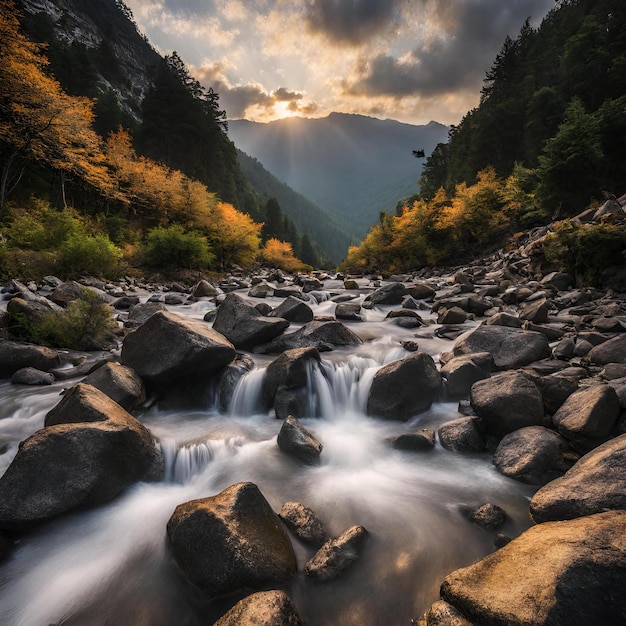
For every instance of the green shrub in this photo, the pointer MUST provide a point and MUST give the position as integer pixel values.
(172, 247)
(94, 254)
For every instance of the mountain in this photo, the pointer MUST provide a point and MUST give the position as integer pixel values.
(350, 165)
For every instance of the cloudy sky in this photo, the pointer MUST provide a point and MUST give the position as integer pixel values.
(410, 60)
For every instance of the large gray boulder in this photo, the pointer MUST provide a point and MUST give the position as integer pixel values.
(90, 450)
(168, 348)
(319, 334)
(242, 324)
(405, 387)
(231, 541)
(510, 347)
(391, 293)
(67, 292)
(597, 482)
(295, 440)
(611, 351)
(264, 608)
(294, 310)
(141, 312)
(554, 573)
(462, 435)
(532, 455)
(506, 402)
(462, 372)
(289, 370)
(15, 356)
(121, 383)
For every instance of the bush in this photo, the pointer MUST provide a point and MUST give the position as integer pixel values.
(94, 254)
(172, 247)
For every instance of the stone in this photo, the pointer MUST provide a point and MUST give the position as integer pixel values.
(443, 614)
(168, 348)
(15, 356)
(489, 516)
(297, 441)
(121, 383)
(453, 315)
(142, 312)
(560, 280)
(243, 325)
(32, 376)
(290, 370)
(463, 371)
(423, 439)
(67, 292)
(555, 573)
(231, 541)
(532, 455)
(303, 523)
(261, 290)
(350, 284)
(323, 335)
(510, 347)
(264, 608)
(462, 435)
(348, 311)
(504, 319)
(90, 450)
(294, 310)
(536, 311)
(230, 377)
(506, 402)
(405, 387)
(611, 351)
(555, 390)
(595, 483)
(392, 293)
(337, 555)
(204, 289)
(421, 291)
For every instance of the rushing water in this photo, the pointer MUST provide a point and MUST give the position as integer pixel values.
(111, 565)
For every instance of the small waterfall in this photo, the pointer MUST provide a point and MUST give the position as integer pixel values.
(247, 398)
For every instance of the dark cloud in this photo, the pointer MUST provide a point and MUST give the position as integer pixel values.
(474, 32)
(284, 95)
(351, 21)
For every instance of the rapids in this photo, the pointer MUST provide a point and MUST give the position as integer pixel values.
(111, 565)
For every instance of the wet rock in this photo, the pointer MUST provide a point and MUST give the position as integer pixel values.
(453, 315)
(510, 347)
(323, 335)
(463, 371)
(350, 284)
(564, 349)
(122, 384)
(32, 376)
(262, 307)
(532, 455)
(462, 435)
(337, 555)
(404, 387)
(264, 608)
(297, 441)
(231, 541)
(124, 303)
(611, 351)
(421, 291)
(489, 516)
(231, 375)
(555, 389)
(423, 439)
(168, 348)
(391, 293)
(261, 290)
(595, 483)
(443, 614)
(294, 310)
(289, 370)
(243, 325)
(348, 311)
(15, 356)
(507, 402)
(142, 312)
(90, 450)
(549, 575)
(303, 523)
(204, 289)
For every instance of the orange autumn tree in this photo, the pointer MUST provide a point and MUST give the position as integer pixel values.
(280, 254)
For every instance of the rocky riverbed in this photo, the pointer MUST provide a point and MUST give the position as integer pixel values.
(454, 439)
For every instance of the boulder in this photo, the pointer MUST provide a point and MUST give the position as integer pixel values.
(532, 455)
(90, 450)
(67, 292)
(142, 312)
(350, 284)
(348, 311)
(230, 377)
(462, 435)
(510, 347)
(294, 310)
(443, 614)
(337, 555)
(611, 351)
(261, 290)
(25, 315)
(168, 348)
(588, 412)
(506, 402)
(555, 390)
(121, 383)
(423, 439)
(453, 315)
(204, 289)
(536, 311)
(595, 483)
(32, 376)
(560, 280)
(463, 371)
(297, 441)
(504, 319)
(264, 608)
(421, 291)
(405, 387)
(290, 370)
(489, 516)
(15, 356)
(391, 293)
(231, 541)
(323, 335)
(555, 573)
(303, 523)
(243, 325)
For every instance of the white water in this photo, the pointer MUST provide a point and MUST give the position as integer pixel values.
(111, 565)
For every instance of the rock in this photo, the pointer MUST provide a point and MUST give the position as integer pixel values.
(90, 450)
(289, 370)
(504, 319)
(297, 441)
(463, 371)
(560, 280)
(453, 315)
(555, 573)
(141, 313)
(15, 356)
(462, 435)
(204, 289)
(337, 555)
(588, 412)
(536, 311)
(564, 349)
(597, 482)
(348, 311)
(507, 402)
(294, 310)
(126, 302)
(423, 439)
(175, 299)
(532, 455)
(303, 523)
(262, 307)
(611, 351)
(421, 291)
(231, 541)
(510, 347)
(67, 292)
(261, 290)
(231, 375)
(555, 389)
(243, 325)
(264, 608)
(168, 348)
(323, 335)
(24, 315)
(404, 387)
(489, 516)
(443, 614)
(610, 207)
(350, 284)
(32, 376)
(122, 384)
(391, 293)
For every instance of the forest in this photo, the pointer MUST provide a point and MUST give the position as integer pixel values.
(545, 142)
